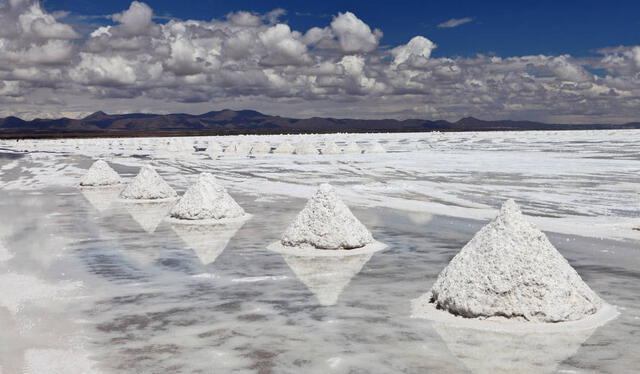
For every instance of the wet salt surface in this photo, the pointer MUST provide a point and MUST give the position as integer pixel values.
(149, 303)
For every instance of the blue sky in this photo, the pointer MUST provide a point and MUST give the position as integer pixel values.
(551, 61)
(505, 28)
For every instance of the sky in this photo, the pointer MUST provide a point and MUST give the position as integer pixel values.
(552, 61)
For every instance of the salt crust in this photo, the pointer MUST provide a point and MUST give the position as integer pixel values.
(207, 200)
(100, 174)
(331, 149)
(284, 148)
(308, 250)
(510, 270)
(148, 186)
(352, 148)
(326, 223)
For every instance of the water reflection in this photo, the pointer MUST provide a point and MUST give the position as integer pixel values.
(101, 199)
(207, 241)
(326, 276)
(490, 352)
(149, 215)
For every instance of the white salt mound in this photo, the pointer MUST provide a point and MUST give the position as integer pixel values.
(284, 148)
(100, 174)
(206, 199)
(304, 148)
(331, 149)
(510, 269)
(214, 149)
(352, 148)
(240, 148)
(148, 185)
(376, 148)
(326, 223)
(261, 147)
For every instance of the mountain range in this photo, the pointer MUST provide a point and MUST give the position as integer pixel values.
(229, 122)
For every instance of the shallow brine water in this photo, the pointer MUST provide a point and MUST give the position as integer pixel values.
(93, 285)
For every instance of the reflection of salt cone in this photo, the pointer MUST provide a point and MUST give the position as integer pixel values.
(149, 215)
(326, 276)
(101, 198)
(207, 241)
(510, 352)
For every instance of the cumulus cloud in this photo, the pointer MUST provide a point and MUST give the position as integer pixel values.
(250, 60)
(353, 34)
(455, 22)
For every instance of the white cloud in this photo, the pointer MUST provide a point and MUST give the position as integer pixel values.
(419, 46)
(135, 20)
(256, 61)
(455, 22)
(353, 34)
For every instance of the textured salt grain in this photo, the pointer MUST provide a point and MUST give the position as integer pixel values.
(326, 223)
(148, 185)
(100, 174)
(206, 200)
(510, 269)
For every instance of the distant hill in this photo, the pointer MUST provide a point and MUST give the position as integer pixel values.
(229, 122)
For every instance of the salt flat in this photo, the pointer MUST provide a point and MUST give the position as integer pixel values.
(128, 292)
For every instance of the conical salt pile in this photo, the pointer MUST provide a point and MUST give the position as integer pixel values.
(214, 149)
(261, 147)
(331, 149)
(376, 148)
(352, 148)
(510, 269)
(100, 174)
(284, 148)
(206, 200)
(304, 148)
(240, 148)
(326, 223)
(148, 185)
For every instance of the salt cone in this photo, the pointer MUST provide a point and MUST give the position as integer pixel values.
(239, 148)
(304, 148)
(331, 149)
(100, 174)
(284, 148)
(206, 200)
(214, 149)
(510, 269)
(261, 147)
(376, 148)
(148, 185)
(352, 148)
(326, 276)
(326, 223)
